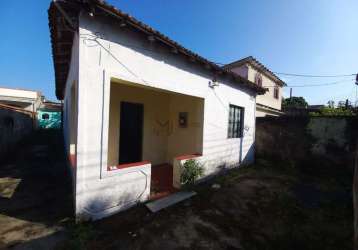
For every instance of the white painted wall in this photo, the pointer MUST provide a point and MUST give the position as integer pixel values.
(70, 111)
(19, 93)
(100, 192)
(25, 99)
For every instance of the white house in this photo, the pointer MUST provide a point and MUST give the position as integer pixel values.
(250, 68)
(137, 103)
(28, 100)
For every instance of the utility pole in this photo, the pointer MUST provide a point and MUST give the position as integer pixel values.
(291, 94)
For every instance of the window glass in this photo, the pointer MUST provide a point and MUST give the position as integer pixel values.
(45, 116)
(258, 79)
(236, 121)
(276, 92)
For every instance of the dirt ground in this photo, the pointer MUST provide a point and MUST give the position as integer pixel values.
(35, 193)
(264, 206)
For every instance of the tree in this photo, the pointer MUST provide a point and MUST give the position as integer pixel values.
(348, 104)
(341, 104)
(330, 104)
(294, 102)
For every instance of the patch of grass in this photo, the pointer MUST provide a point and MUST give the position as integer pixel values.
(79, 235)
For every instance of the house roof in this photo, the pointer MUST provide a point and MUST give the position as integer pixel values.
(256, 64)
(61, 11)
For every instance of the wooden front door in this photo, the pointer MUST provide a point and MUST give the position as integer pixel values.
(131, 132)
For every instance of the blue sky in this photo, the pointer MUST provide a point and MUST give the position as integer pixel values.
(304, 37)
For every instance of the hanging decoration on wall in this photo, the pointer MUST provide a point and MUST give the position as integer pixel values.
(162, 128)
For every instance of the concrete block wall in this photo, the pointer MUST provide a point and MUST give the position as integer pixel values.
(14, 126)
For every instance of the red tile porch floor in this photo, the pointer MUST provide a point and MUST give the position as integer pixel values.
(161, 181)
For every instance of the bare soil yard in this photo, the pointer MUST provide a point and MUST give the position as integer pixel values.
(35, 193)
(264, 206)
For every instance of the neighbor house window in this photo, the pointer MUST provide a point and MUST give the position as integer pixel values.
(258, 79)
(236, 121)
(276, 92)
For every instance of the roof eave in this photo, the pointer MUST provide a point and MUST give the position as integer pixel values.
(62, 62)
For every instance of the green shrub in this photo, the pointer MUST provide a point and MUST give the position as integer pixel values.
(192, 170)
(326, 111)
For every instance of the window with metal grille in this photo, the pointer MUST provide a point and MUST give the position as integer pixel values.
(236, 121)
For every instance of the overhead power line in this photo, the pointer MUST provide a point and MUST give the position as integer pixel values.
(296, 85)
(318, 76)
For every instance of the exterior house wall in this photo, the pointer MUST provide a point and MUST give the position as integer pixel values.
(116, 54)
(70, 113)
(242, 70)
(268, 98)
(163, 139)
(189, 140)
(25, 99)
(155, 108)
(19, 93)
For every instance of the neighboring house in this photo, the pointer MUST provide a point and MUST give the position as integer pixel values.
(25, 99)
(15, 123)
(268, 104)
(49, 115)
(137, 103)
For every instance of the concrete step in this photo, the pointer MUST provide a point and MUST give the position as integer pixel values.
(170, 200)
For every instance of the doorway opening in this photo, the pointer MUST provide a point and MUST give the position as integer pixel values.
(131, 132)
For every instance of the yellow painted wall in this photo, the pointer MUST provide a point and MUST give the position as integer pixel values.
(183, 141)
(268, 98)
(156, 108)
(163, 139)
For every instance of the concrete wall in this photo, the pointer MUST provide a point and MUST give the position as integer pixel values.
(14, 126)
(249, 72)
(329, 140)
(355, 199)
(116, 54)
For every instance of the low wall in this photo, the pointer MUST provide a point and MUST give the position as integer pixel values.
(302, 140)
(355, 199)
(14, 125)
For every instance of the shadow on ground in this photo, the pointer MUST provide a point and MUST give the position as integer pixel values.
(35, 190)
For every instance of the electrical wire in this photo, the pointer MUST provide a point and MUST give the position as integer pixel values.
(317, 76)
(95, 37)
(296, 85)
(279, 73)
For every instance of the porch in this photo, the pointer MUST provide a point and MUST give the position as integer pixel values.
(153, 126)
